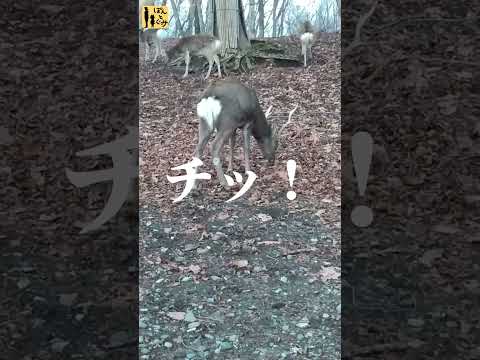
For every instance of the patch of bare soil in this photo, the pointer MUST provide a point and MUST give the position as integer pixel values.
(257, 278)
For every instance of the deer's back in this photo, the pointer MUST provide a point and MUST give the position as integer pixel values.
(195, 44)
(232, 92)
(239, 103)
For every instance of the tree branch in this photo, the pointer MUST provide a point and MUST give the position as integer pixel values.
(358, 29)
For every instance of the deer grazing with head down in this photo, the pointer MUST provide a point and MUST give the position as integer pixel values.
(148, 37)
(200, 45)
(228, 105)
(306, 39)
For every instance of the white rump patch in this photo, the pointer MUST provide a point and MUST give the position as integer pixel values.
(306, 38)
(218, 44)
(208, 109)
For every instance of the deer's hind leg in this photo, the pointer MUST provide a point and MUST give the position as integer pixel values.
(232, 148)
(204, 132)
(217, 146)
(187, 62)
(246, 147)
(210, 65)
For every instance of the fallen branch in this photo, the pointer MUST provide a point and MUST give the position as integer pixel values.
(299, 251)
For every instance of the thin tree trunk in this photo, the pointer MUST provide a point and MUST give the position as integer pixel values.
(191, 18)
(178, 23)
(261, 18)
(201, 23)
(209, 18)
(274, 17)
(251, 18)
(196, 21)
(282, 16)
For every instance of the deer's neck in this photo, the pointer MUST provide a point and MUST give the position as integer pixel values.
(261, 129)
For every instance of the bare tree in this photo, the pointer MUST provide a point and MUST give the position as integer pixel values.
(209, 18)
(176, 16)
(274, 18)
(195, 19)
(261, 18)
(251, 18)
(339, 15)
(281, 17)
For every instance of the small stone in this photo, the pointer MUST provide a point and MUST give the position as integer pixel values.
(23, 283)
(303, 323)
(58, 345)
(68, 299)
(415, 322)
(190, 317)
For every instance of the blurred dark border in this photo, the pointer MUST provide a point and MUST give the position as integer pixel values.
(410, 79)
(69, 79)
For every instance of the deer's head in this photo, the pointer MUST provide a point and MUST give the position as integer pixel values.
(269, 144)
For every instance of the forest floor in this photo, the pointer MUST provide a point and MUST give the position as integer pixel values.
(258, 277)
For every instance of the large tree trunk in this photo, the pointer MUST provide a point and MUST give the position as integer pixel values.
(229, 24)
(261, 18)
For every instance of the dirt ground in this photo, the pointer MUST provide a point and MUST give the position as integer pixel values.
(259, 277)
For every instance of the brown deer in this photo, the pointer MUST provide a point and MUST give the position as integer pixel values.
(306, 39)
(201, 45)
(148, 37)
(228, 105)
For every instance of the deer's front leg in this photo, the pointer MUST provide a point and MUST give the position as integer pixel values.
(210, 64)
(217, 60)
(216, 149)
(157, 51)
(147, 55)
(232, 147)
(246, 147)
(187, 62)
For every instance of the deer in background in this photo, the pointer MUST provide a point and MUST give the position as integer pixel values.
(228, 105)
(306, 39)
(201, 45)
(148, 37)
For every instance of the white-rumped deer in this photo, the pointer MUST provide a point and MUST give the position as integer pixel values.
(201, 45)
(228, 105)
(306, 39)
(148, 37)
